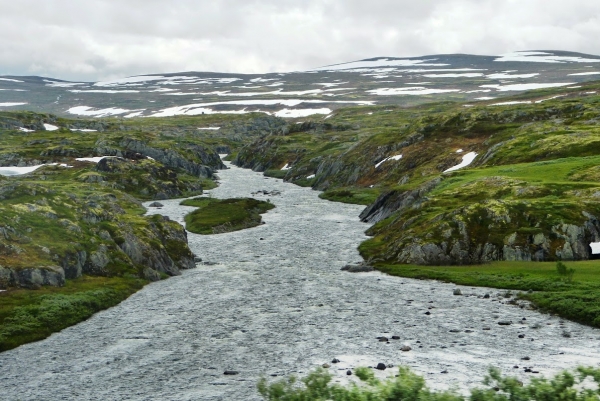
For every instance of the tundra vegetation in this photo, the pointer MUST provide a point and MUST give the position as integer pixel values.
(217, 216)
(529, 199)
(73, 236)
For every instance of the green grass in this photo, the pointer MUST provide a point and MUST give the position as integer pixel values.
(27, 316)
(224, 215)
(357, 196)
(577, 300)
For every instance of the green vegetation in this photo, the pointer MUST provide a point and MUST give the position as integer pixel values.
(576, 298)
(358, 196)
(27, 315)
(408, 386)
(215, 216)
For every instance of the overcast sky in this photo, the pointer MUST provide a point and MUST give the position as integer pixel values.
(100, 39)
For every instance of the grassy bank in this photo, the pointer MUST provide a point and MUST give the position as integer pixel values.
(577, 300)
(215, 216)
(27, 315)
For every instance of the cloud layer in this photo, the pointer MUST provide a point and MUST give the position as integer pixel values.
(102, 39)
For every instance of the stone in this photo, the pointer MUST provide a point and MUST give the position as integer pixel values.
(231, 373)
(395, 337)
(155, 204)
(382, 339)
(457, 291)
(380, 366)
(360, 268)
(504, 323)
(405, 348)
(335, 360)
(349, 372)
(326, 366)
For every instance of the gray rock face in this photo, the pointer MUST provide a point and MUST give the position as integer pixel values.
(171, 158)
(73, 263)
(395, 201)
(32, 277)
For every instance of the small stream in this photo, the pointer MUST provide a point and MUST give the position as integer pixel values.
(271, 301)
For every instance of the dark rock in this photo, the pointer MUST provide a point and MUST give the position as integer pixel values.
(335, 360)
(360, 268)
(521, 335)
(382, 339)
(405, 348)
(326, 366)
(380, 366)
(454, 331)
(349, 372)
(504, 323)
(155, 204)
(525, 358)
(428, 313)
(395, 337)
(231, 373)
(487, 328)
(457, 291)
(486, 296)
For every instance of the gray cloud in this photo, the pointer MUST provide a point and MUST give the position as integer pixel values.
(99, 39)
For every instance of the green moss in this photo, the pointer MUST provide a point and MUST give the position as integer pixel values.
(226, 215)
(27, 316)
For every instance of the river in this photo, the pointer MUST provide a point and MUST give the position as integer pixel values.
(271, 301)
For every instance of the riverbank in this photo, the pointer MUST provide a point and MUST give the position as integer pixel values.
(538, 282)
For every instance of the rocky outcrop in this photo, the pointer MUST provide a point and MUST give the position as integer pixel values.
(394, 201)
(32, 277)
(465, 244)
(209, 160)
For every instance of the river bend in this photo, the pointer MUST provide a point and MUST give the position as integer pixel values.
(272, 301)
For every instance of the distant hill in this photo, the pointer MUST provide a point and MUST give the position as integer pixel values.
(375, 81)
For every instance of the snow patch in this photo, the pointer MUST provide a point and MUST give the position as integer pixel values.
(397, 157)
(310, 177)
(286, 167)
(484, 98)
(291, 113)
(384, 62)
(587, 73)
(416, 90)
(466, 160)
(50, 127)
(460, 75)
(543, 57)
(210, 128)
(92, 159)
(10, 80)
(525, 87)
(103, 91)
(10, 171)
(10, 104)
(83, 130)
(511, 76)
(23, 129)
(88, 111)
(511, 102)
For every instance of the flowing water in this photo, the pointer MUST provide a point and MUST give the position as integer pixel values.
(272, 301)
